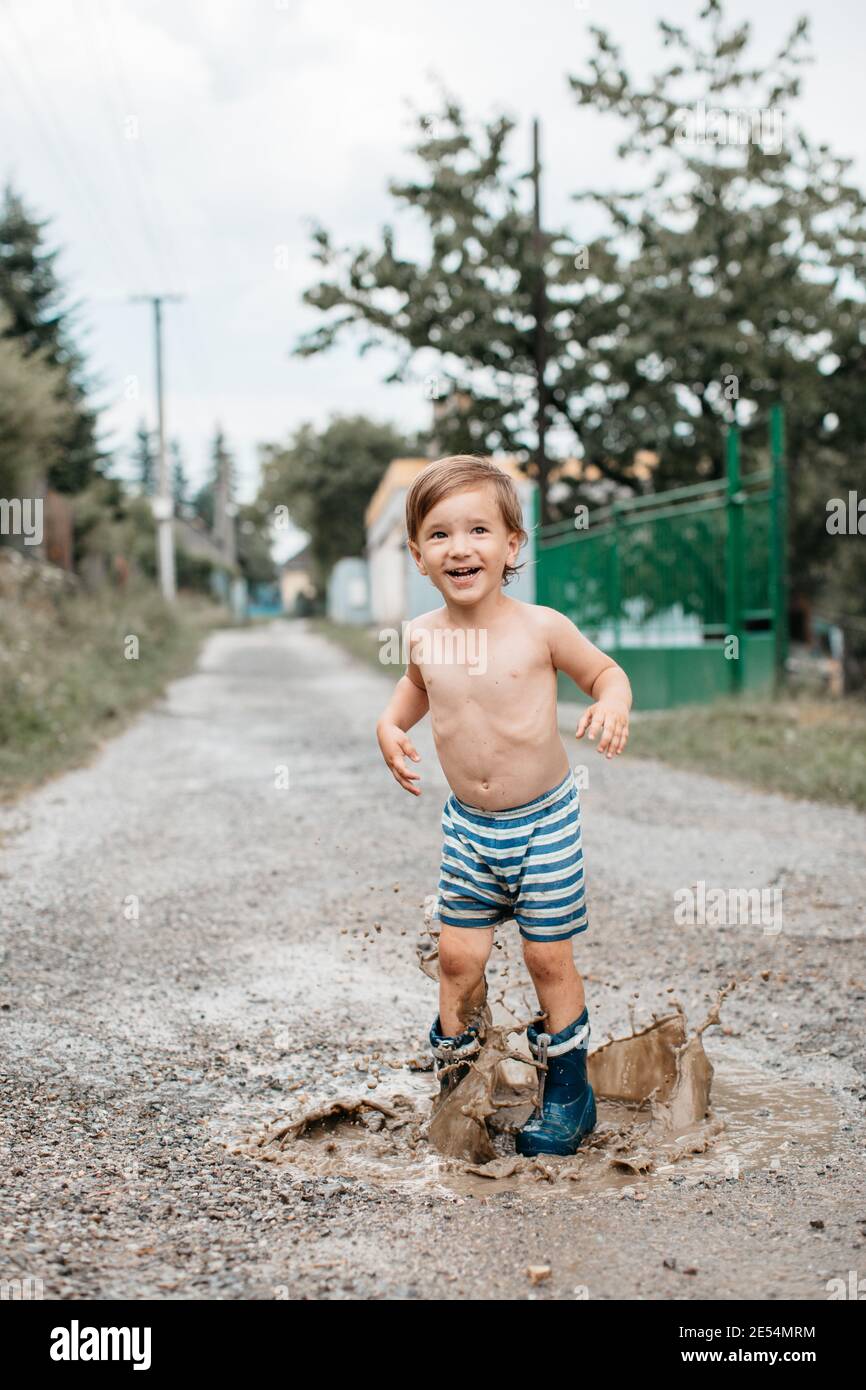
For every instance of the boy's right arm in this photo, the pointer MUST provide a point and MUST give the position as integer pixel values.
(407, 705)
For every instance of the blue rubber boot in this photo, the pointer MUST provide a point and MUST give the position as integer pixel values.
(452, 1056)
(565, 1112)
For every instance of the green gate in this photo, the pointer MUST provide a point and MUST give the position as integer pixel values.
(685, 589)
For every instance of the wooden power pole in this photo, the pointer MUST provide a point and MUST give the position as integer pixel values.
(540, 309)
(163, 502)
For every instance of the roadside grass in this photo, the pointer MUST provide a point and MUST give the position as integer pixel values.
(803, 746)
(65, 683)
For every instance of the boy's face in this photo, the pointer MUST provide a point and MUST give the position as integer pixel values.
(463, 545)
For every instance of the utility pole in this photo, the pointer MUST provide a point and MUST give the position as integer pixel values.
(163, 502)
(540, 330)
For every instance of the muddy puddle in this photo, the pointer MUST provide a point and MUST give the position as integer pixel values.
(663, 1109)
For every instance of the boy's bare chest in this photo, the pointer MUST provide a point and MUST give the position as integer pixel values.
(494, 672)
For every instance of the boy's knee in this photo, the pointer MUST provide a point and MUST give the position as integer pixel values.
(464, 955)
(548, 960)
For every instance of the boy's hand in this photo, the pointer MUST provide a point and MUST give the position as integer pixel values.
(608, 718)
(394, 743)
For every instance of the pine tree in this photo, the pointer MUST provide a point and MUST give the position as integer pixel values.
(144, 460)
(224, 509)
(38, 317)
(32, 419)
(179, 483)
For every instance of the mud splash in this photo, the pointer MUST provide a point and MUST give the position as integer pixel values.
(653, 1093)
(655, 1117)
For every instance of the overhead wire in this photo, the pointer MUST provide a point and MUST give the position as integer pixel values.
(47, 121)
(201, 356)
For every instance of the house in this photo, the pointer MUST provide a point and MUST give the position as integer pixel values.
(348, 598)
(296, 582)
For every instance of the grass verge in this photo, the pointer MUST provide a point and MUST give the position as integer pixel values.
(65, 681)
(804, 747)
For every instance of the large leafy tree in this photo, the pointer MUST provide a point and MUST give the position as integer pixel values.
(735, 279)
(737, 282)
(326, 478)
(474, 300)
(727, 274)
(39, 320)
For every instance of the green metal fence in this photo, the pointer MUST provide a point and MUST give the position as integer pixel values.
(687, 588)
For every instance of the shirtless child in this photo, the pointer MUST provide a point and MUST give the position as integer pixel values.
(485, 666)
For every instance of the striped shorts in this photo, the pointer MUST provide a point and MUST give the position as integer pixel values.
(524, 863)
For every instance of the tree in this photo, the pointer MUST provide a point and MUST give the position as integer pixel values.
(224, 508)
(179, 483)
(254, 543)
(730, 283)
(39, 320)
(144, 460)
(737, 281)
(33, 418)
(202, 504)
(474, 301)
(325, 480)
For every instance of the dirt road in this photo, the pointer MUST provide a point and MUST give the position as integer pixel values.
(184, 959)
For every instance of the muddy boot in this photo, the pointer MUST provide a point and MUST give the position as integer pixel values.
(566, 1102)
(449, 1052)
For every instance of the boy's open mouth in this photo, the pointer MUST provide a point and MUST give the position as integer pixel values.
(464, 572)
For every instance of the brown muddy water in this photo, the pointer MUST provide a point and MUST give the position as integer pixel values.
(664, 1109)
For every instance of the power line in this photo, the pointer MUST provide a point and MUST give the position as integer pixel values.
(48, 120)
(115, 121)
(62, 165)
(202, 343)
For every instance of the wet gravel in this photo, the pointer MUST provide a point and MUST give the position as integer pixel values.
(191, 949)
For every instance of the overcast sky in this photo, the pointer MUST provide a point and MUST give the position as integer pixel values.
(248, 117)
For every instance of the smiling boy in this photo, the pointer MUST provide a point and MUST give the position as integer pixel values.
(512, 842)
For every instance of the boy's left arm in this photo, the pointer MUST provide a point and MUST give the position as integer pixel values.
(598, 676)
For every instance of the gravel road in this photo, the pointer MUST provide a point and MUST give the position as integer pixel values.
(190, 951)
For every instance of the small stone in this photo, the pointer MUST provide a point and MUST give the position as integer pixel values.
(538, 1273)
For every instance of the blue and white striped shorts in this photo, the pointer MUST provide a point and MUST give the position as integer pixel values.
(524, 863)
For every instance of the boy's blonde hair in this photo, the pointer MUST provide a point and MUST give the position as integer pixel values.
(459, 473)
